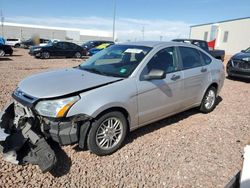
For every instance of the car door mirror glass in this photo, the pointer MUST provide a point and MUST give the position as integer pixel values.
(243, 51)
(155, 74)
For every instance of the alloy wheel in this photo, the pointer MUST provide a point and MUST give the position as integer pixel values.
(109, 133)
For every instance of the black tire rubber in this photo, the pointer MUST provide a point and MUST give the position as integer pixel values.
(17, 46)
(91, 138)
(75, 56)
(203, 109)
(42, 55)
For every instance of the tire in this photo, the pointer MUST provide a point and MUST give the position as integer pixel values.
(17, 46)
(110, 138)
(78, 55)
(208, 102)
(45, 55)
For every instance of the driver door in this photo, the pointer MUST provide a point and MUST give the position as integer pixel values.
(162, 97)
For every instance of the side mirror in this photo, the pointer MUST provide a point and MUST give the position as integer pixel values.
(155, 74)
(243, 51)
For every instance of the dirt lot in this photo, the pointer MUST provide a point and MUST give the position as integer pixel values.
(187, 150)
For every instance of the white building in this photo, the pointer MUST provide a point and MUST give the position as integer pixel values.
(231, 35)
(26, 31)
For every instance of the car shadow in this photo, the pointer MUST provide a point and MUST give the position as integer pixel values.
(163, 123)
(239, 79)
(16, 55)
(5, 59)
(64, 162)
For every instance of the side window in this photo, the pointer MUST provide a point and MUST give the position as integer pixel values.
(71, 46)
(190, 57)
(165, 60)
(207, 60)
(60, 45)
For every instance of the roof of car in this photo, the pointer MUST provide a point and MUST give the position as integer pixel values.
(150, 43)
(188, 40)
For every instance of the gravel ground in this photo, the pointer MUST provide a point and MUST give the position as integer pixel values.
(187, 150)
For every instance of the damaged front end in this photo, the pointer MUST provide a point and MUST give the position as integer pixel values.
(22, 140)
(26, 135)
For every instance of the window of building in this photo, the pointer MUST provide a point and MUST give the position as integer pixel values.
(205, 36)
(225, 38)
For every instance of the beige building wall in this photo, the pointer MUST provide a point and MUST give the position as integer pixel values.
(238, 35)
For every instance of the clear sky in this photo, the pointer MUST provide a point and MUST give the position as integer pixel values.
(159, 18)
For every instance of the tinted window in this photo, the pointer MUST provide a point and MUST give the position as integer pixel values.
(12, 39)
(72, 46)
(164, 60)
(190, 57)
(60, 45)
(207, 60)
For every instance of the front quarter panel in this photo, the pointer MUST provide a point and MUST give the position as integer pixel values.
(119, 94)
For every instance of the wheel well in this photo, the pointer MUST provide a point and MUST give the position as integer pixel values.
(119, 109)
(215, 85)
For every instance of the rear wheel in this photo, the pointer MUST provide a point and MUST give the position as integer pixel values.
(45, 55)
(209, 100)
(17, 46)
(107, 133)
(78, 55)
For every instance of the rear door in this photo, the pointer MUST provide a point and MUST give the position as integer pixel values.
(59, 49)
(195, 75)
(158, 98)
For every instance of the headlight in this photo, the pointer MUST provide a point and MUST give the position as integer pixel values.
(55, 108)
(37, 49)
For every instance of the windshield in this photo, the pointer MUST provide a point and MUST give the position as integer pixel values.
(117, 60)
(247, 50)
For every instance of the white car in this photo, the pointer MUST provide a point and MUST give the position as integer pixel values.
(15, 42)
(49, 42)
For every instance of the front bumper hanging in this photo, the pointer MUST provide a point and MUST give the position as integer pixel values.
(21, 141)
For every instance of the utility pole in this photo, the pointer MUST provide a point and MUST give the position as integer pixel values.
(2, 21)
(143, 31)
(114, 16)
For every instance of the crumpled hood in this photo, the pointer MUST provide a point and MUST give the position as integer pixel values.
(62, 82)
(241, 55)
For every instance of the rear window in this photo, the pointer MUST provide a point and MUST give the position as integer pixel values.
(190, 57)
(207, 60)
(12, 39)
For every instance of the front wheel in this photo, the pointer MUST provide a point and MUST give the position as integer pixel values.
(107, 133)
(45, 55)
(78, 55)
(209, 100)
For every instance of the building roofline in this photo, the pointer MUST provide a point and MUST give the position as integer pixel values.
(220, 21)
(89, 32)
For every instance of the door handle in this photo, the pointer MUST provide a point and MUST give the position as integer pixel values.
(175, 77)
(204, 69)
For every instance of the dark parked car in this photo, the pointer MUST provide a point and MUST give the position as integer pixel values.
(92, 44)
(30, 42)
(5, 49)
(218, 54)
(239, 64)
(64, 49)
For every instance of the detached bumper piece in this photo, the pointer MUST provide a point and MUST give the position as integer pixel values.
(24, 143)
